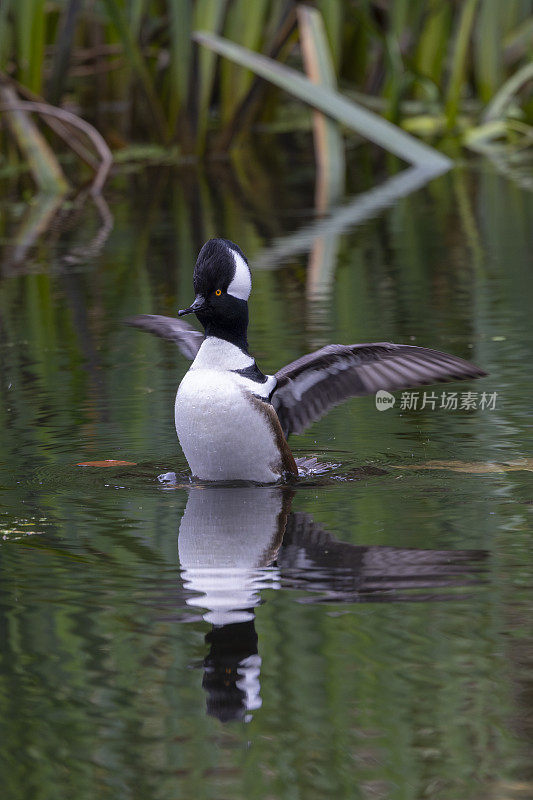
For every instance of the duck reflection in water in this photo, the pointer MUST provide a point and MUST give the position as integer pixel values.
(229, 540)
(235, 541)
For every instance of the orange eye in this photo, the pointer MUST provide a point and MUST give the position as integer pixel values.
(218, 292)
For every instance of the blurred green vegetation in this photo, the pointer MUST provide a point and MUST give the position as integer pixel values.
(439, 68)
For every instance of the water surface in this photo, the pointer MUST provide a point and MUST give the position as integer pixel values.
(366, 633)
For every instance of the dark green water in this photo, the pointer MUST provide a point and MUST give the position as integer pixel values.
(367, 634)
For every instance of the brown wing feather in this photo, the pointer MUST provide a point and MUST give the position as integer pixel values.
(308, 387)
(288, 464)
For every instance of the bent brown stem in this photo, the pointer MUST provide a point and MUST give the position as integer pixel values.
(67, 117)
(41, 160)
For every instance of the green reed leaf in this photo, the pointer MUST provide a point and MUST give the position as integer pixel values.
(370, 125)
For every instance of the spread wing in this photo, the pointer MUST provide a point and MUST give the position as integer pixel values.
(308, 387)
(314, 560)
(186, 337)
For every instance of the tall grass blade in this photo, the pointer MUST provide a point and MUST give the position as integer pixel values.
(209, 14)
(30, 28)
(329, 145)
(431, 54)
(459, 60)
(180, 12)
(36, 70)
(369, 125)
(133, 52)
(5, 33)
(332, 15)
(62, 51)
(136, 8)
(279, 35)
(244, 24)
(488, 49)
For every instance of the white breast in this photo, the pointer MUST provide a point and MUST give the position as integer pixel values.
(223, 433)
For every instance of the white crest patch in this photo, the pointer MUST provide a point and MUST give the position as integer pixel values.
(241, 285)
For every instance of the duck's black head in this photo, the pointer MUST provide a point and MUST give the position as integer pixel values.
(222, 285)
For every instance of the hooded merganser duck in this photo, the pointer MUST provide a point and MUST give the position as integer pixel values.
(232, 420)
